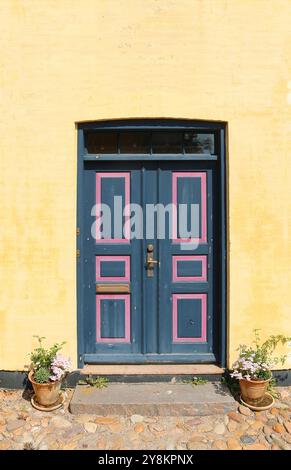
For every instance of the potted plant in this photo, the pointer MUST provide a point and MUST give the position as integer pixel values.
(253, 368)
(47, 370)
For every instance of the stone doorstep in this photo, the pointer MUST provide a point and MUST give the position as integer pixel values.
(152, 372)
(153, 399)
(151, 369)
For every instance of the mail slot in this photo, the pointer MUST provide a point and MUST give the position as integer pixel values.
(112, 288)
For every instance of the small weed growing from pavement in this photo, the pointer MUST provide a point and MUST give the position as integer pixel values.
(271, 389)
(28, 446)
(98, 382)
(196, 381)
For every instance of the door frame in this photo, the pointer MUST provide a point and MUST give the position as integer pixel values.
(220, 129)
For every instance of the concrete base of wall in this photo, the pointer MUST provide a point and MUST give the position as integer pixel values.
(18, 380)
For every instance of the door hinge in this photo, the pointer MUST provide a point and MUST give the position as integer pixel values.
(78, 253)
(78, 231)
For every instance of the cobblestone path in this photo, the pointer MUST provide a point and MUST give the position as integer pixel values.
(22, 427)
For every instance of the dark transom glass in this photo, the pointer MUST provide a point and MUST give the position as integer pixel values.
(147, 142)
(167, 142)
(198, 143)
(135, 142)
(101, 142)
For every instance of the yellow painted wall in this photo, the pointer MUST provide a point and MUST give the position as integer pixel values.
(64, 61)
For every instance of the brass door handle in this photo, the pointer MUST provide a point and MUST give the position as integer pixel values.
(150, 261)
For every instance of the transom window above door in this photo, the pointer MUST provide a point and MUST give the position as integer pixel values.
(150, 142)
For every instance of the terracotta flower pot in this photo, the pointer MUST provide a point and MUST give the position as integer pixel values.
(47, 394)
(253, 391)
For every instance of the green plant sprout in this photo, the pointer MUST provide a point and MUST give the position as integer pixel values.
(196, 381)
(97, 382)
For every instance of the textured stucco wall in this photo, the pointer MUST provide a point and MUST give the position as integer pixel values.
(64, 61)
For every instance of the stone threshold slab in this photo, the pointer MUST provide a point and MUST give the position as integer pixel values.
(151, 369)
(153, 399)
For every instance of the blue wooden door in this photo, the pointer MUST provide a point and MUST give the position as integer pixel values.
(135, 311)
(186, 317)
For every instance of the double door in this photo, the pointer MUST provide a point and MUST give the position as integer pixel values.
(148, 284)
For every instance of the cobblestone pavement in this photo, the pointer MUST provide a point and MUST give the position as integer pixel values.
(23, 427)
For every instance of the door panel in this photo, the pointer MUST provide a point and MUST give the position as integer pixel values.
(111, 185)
(186, 278)
(189, 188)
(111, 325)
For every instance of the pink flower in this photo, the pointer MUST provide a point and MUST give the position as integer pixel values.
(59, 367)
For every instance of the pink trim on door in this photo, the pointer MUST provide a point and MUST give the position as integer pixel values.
(126, 176)
(126, 299)
(191, 174)
(112, 259)
(202, 338)
(177, 278)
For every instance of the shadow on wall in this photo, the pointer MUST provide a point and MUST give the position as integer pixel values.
(18, 380)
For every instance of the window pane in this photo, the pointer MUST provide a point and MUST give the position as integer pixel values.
(135, 142)
(101, 142)
(167, 142)
(198, 143)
